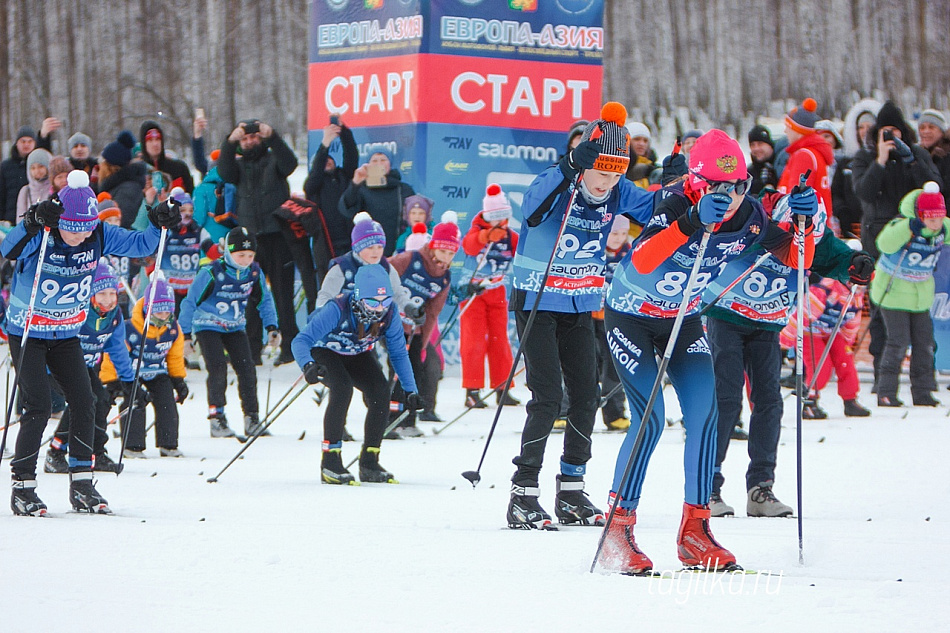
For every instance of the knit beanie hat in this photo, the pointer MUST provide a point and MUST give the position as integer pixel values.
(495, 205)
(104, 277)
(80, 209)
(238, 239)
(25, 131)
(866, 117)
(620, 223)
(930, 203)
(119, 151)
(215, 154)
(164, 300)
(418, 238)
(446, 233)
(934, 117)
(890, 115)
(371, 280)
(78, 139)
(761, 133)
(803, 119)
(716, 157)
(39, 156)
(58, 165)
(609, 132)
(420, 201)
(577, 128)
(828, 126)
(639, 130)
(366, 232)
(692, 134)
(182, 197)
(107, 207)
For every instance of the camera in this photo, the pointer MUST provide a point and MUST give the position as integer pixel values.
(888, 135)
(252, 128)
(158, 181)
(334, 119)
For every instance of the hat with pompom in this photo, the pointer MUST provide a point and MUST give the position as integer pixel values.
(803, 119)
(164, 299)
(107, 207)
(620, 223)
(80, 208)
(609, 132)
(418, 238)
(716, 157)
(930, 203)
(104, 277)
(495, 205)
(366, 232)
(119, 151)
(446, 234)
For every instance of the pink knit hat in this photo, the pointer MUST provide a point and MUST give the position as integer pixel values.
(446, 233)
(418, 238)
(495, 205)
(716, 157)
(930, 203)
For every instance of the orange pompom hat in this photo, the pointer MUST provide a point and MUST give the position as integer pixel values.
(609, 132)
(803, 119)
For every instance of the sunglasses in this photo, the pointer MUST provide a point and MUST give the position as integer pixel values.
(377, 304)
(741, 188)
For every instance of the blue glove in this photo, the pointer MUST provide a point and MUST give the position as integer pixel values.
(903, 151)
(712, 207)
(803, 202)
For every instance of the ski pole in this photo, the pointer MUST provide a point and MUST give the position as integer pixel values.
(799, 367)
(876, 307)
(136, 380)
(748, 271)
(474, 476)
(655, 391)
(260, 431)
(834, 333)
(480, 399)
(24, 339)
(392, 425)
(456, 316)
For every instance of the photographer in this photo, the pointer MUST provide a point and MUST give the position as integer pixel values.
(378, 189)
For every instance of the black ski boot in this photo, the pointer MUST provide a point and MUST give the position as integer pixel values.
(252, 425)
(55, 462)
(811, 410)
(572, 505)
(101, 462)
(473, 400)
(370, 469)
(524, 511)
(332, 470)
(83, 495)
(508, 401)
(24, 502)
(853, 409)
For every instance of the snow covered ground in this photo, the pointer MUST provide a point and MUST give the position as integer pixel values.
(269, 548)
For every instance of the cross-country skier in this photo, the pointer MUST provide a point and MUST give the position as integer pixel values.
(75, 243)
(213, 311)
(562, 334)
(102, 332)
(336, 348)
(642, 304)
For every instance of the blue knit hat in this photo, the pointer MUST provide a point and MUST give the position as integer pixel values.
(366, 232)
(104, 277)
(80, 208)
(164, 300)
(371, 280)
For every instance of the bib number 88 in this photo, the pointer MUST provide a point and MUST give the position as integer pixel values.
(674, 283)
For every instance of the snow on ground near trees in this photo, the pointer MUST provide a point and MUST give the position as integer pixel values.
(270, 548)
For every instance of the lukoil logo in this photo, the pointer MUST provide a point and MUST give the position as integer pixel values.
(456, 168)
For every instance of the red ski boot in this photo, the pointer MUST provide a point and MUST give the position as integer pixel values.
(620, 552)
(696, 545)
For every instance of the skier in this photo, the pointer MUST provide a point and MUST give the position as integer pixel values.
(336, 348)
(182, 251)
(213, 311)
(562, 335)
(102, 332)
(489, 247)
(75, 242)
(642, 303)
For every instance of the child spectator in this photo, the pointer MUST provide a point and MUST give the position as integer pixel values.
(613, 411)
(415, 209)
(37, 187)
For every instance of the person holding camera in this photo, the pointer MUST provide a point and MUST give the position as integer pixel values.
(152, 140)
(257, 161)
(889, 166)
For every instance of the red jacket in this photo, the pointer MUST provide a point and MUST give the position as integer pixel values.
(809, 152)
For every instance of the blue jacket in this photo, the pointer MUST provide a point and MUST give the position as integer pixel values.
(577, 274)
(106, 334)
(334, 327)
(217, 300)
(65, 282)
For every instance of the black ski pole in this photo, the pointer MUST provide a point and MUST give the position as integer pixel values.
(655, 391)
(474, 476)
(24, 339)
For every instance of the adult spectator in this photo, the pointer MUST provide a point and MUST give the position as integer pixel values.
(808, 154)
(80, 156)
(932, 128)
(152, 140)
(382, 199)
(122, 178)
(643, 170)
(13, 169)
(689, 139)
(38, 185)
(331, 171)
(260, 176)
(858, 120)
(762, 151)
(214, 202)
(888, 167)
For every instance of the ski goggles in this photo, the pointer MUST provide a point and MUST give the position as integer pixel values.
(740, 188)
(373, 303)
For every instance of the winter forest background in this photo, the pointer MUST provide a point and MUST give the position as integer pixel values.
(104, 66)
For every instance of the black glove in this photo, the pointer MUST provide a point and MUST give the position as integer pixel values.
(916, 226)
(581, 157)
(475, 289)
(181, 389)
(414, 401)
(42, 214)
(674, 166)
(165, 214)
(903, 151)
(314, 372)
(861, 268)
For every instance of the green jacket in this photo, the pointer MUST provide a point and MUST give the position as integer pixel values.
(901, 294)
